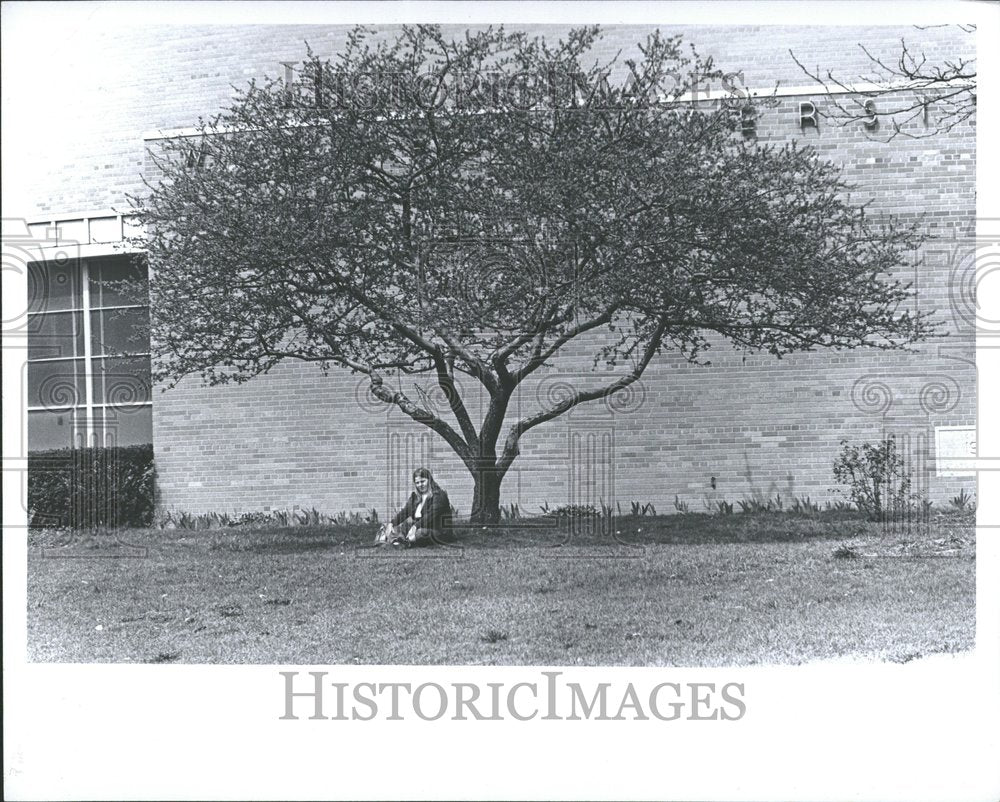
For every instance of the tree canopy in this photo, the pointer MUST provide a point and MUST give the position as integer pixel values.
(468, 208)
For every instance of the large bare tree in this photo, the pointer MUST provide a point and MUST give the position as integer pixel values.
(468, 209)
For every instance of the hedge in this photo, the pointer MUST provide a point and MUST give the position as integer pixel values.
(89, 487)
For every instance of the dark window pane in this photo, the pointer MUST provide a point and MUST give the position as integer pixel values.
(123, 380)
(56, 384)
(50, 430)
(57, 334)
(128, 426)
(54, 286)
(118, 281)
(119, 331)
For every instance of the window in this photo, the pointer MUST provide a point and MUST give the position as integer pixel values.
(88, 354)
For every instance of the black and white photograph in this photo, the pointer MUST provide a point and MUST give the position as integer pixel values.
(430, 366)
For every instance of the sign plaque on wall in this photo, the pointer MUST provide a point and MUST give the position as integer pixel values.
(955, 447)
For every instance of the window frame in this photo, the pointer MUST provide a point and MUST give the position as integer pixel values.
(85, 432)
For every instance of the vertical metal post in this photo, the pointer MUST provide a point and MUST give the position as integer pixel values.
(88, 373)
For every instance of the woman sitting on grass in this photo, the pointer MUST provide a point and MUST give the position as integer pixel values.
(428, 511)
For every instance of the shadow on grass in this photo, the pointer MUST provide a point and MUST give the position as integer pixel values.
(534, 532)
(667, 529)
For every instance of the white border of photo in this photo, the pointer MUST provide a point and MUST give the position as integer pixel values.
(837, 730)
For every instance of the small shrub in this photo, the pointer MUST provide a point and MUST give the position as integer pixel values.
(803, 506)
(724, 507)
(510, 512)
(681, 506)
(311, 517)
(275, 518)
(577, 511)
(251, 519)
(755, 505)
(185, 520)
(573, 511)
(640, 510)
(961, 501)
(91, 487)
(875, 474)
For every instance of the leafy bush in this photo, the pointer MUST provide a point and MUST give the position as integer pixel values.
(258, 518)
(876, 477)
(961, 501)
(572, 511)
(90, 487)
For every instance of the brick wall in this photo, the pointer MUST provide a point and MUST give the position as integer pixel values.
(755, 425)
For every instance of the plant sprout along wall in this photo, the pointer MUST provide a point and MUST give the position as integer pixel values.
(745, 426)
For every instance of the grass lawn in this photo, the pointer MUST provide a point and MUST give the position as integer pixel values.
(669, 590)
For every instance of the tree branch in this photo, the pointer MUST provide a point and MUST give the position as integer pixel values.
(541, 354)
(512, 444)
(446, 380)
(420, 415)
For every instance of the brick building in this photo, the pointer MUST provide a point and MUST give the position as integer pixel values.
(746, 426)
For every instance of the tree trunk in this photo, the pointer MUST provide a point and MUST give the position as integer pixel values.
(486, 496)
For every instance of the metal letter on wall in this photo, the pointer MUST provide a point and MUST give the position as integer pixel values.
(871, 121)
(807, 115)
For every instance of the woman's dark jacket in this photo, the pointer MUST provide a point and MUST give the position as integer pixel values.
(435, 516)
